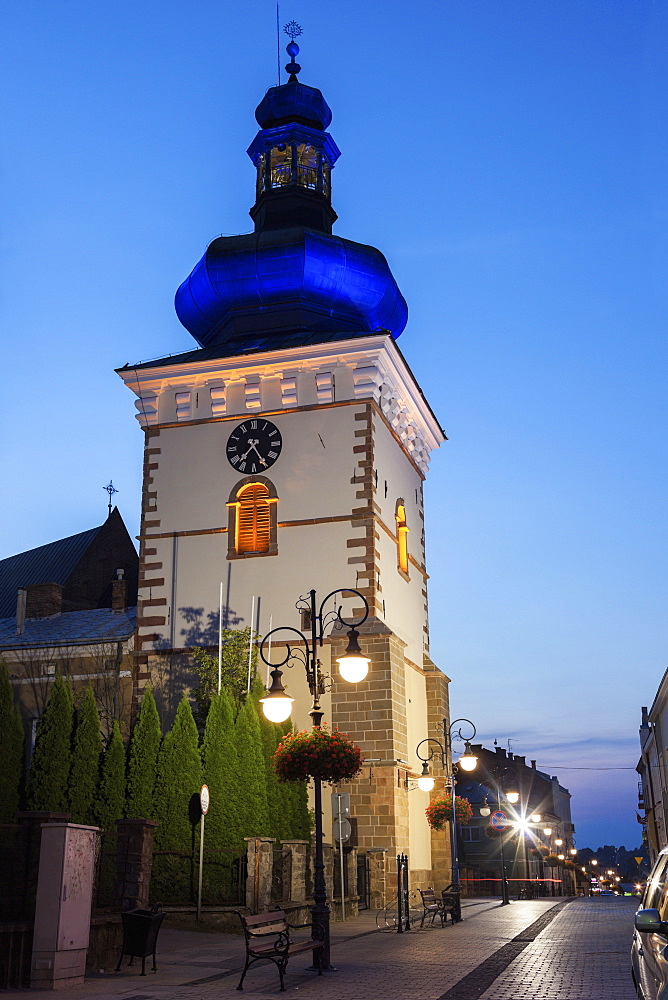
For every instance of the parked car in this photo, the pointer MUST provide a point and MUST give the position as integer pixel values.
(649, 951)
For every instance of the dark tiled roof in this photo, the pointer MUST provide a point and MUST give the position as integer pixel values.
(74, 628)
(251, 344)
(52, 563)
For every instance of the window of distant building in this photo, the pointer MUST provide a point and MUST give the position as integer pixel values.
(402, 537)
(252, 525)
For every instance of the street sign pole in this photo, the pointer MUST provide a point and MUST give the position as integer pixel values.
(343, 893)
(341, 810)
(204, 800)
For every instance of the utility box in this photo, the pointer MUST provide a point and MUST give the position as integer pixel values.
(63, 905)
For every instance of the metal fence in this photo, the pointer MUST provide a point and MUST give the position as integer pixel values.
(175, 875)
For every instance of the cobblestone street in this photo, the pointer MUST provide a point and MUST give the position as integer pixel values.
(531, 950)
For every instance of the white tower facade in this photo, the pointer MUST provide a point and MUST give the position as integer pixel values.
(288, 453)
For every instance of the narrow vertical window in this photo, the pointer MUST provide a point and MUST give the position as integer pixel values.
(253, 521)
(252, 525)
(402, 537)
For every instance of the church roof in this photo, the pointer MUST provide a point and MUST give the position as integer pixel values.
(51, 563)
(73, 628)
(84, 563)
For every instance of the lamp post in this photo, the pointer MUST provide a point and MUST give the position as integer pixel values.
(277, 706)
(467, 762)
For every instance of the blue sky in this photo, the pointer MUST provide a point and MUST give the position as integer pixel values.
(509, 158)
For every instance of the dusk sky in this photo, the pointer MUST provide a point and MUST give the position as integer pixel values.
(509, 157)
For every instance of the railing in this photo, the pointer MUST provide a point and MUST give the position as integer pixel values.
(175, 875)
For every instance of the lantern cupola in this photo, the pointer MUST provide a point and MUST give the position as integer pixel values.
(293, 156)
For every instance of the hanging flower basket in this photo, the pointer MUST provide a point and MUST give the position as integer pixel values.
(552, 861)
(317, 753)
(439, 811)
(493, 834)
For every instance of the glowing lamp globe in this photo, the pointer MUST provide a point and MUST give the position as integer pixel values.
(425, 781)
(558, 841)
(513, 797)
(485, 810)
(548, 831)
(535, 818)
(353, 665)
(276, 704)
(469, 760)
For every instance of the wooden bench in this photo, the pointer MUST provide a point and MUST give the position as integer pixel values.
(432, 906)
(268, 937)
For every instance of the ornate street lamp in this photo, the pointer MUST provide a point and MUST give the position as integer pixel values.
(277, 706)
(467, 762)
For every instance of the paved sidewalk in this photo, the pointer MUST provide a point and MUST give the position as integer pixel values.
(372, 964)
(584, 954)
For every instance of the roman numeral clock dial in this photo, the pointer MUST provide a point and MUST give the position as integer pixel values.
(254, 446)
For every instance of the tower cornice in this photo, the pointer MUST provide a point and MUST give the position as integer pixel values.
(341, 371)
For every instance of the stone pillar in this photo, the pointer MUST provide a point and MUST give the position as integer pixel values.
(294, 870)
(378, 878)
(134, 860)
(260, 872)
(350, 864)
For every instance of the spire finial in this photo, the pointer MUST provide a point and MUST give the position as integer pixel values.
(111, 489)
(293, 30)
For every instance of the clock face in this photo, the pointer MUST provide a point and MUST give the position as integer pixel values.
(254, 446)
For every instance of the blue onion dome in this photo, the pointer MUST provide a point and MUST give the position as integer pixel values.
(293, 102)
(291, 275)
(282, 281)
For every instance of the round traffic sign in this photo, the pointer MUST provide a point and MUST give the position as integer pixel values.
(498, 820)
(342, 829)
(204, 799)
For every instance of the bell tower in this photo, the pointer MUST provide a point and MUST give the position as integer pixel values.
(287, 452)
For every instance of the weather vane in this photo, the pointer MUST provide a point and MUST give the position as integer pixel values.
(292, 29)
(111, 489)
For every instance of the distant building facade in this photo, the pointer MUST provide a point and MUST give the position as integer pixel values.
(72, 607)
(497, 772)
(653, 772)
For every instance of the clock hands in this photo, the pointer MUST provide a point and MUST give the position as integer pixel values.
(252, 443)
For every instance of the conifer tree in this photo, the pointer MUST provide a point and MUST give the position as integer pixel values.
(144, 747)
(52, 756)
(254, 817)
(279, 818)
(111, 795)
(178, 778)
(11, 749)
(295, 800)
(221, 774)
(86, 753)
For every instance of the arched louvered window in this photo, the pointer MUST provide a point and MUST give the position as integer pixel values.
(252, 523)
(253, 519)
(402, 537)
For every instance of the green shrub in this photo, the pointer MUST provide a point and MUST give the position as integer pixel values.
(11, 749)
(84, 773)
(52, 756)
(143, 757)
(234, 669)
(111, 795)
(252, 781)
(178, 778)
(221, 772)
